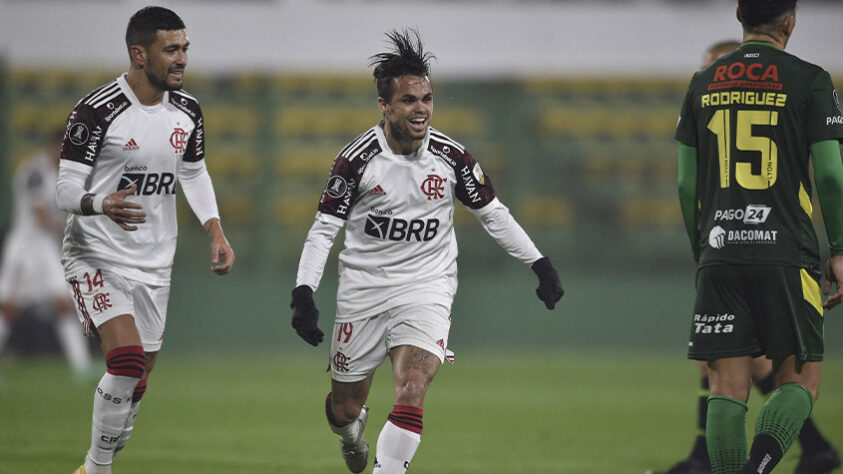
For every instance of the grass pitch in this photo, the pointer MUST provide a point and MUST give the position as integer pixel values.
(514, 412)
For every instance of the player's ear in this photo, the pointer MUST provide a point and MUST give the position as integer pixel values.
(788, 25)
(138, 54)
(738, 15)
(382, 104)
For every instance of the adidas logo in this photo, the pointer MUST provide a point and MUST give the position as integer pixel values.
(377, 191)
(132, 145)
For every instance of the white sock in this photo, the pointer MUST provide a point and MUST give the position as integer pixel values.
(73, 342)
(5, 330)
(93, 468)
(127, 430)
(396, 448)
(112, 405)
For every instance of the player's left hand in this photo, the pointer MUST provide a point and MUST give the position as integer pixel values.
(306, 316)
(833, 274)
(550, 288)
(222, 255)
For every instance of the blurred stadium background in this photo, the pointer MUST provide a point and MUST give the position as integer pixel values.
(570, 106)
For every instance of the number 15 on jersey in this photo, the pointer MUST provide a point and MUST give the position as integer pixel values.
(744, 140)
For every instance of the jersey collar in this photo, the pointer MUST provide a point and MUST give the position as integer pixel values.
(388, 151)
(127, 89)
(760, 43)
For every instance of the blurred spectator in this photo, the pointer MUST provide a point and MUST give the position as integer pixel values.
(31, 275)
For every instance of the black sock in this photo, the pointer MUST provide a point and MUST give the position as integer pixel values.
(700, 452)
(764, 454)
(810, 437)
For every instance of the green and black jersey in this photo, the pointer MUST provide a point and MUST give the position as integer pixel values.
(752, 116)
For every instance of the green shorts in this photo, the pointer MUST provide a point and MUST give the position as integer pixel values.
(757, 310)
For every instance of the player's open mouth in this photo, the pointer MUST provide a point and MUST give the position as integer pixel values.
(177, 74)
(418, 123)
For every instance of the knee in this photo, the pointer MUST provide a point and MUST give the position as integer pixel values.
(342, 410)
(410, 393)
(736, 391)
(813, 389)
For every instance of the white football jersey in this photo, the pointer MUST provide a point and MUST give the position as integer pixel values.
(121, 142)
(400, 246)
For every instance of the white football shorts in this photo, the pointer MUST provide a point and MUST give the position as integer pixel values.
(101, 294)
(359, 347)
(31, 270)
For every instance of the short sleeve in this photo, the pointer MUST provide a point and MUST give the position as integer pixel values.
(341, 189)
(84, 137)
(474, 188)
(195, 150)
(686, 127)
(824, 119)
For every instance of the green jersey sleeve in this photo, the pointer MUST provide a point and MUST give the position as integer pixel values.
(688, 195)
(828, 173)
(686, 128)
(824, 117)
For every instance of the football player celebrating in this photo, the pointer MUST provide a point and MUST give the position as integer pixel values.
(750, 126)
(394, 188)
(127, 144)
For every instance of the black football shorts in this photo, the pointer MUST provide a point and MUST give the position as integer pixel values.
(757, 310)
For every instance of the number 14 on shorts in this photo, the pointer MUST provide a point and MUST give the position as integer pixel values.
(95, 281)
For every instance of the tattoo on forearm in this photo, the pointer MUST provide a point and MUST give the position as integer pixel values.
(87, 204)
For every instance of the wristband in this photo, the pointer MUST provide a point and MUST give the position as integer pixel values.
(97, 203)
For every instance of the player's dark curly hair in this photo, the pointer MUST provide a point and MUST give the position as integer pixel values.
(145, 23)
(407, 57)
(756, 14)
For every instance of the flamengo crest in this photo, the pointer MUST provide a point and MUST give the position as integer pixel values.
(434, 186)
(178, 139)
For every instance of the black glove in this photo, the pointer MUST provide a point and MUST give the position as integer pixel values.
(305, 315)
(550, 288)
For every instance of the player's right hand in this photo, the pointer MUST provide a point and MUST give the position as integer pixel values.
(833, 274)
(550, 288)
(305, 315)
(116, 207)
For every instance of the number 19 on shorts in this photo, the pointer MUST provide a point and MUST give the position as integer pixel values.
(744, 140)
